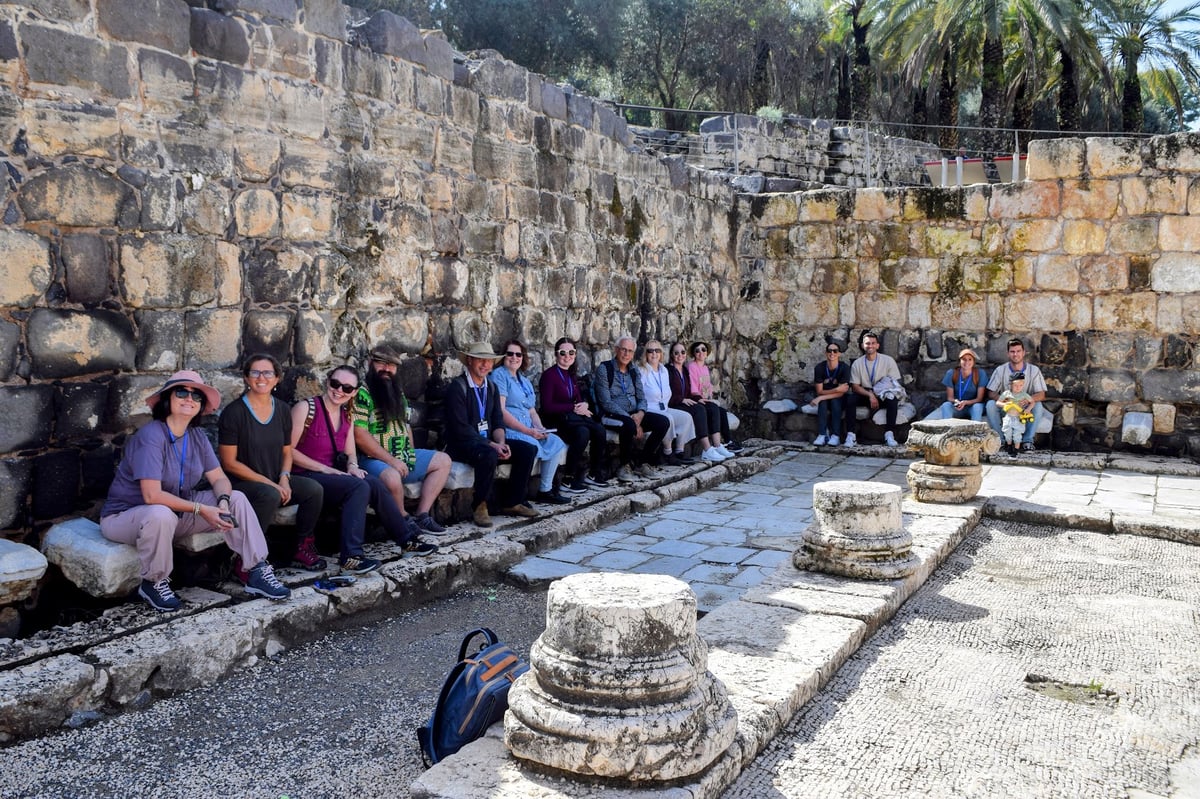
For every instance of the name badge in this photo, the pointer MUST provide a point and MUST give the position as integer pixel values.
(662, 407)
(483, 429)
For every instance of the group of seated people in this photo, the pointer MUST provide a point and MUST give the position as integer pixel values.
(351, 448)
(1011, 399)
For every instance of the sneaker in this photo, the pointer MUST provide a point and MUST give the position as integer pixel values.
(428, 524)
(721, 448)
(820, 441)
(684, 460)
(307, 557)
(889, 438)
(263, 582)
(418, 549)
(626, 475)
(593, 481)
(1028, 447)
(671, 459)
(359, 564)
(711, 455)
(576, 486)
(1011, 449)
(552, 498)
(834, 441)
(481, 516)
(733, 447)
(159, 595)
(646, 470)
(851, 440)
(519, 510)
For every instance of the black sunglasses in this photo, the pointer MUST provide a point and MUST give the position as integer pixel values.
(833, 349)
(514, 354)
(183, 392)
(343, 387)
(653, 349)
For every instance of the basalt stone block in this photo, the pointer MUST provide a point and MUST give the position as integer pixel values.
(55, 483)
(439, 56)
(1066, 382)
(160, 204)
(1111, 385)
(10, 340)
(933, 343)
(26, 420)
(276, 278)
(60, 58)
(1170, 385)
(159, 23)
(281, 10)
(212, 338)
(127, 394)
(15, 476)
(8, 43)
(1053, 348)
(160, 341)
(495, 77)
(97, 467)
(81, 411)
(75, 196)
(168, 270)
(326, 18)
(313, 330)
(389, 34)
(25, 269)
(70, 343)
(1178, 352)
(269, 331)
(218, 36)
(88, 268)
(60, 10)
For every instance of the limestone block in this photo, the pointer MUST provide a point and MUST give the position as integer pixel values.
(1179, 234)
(98, 566)
(256, 213)
(1114, 412)
(1136, 429)
(1056, 273)
(1067, 414)
(1056, 158)
(1091, 199)
(618, 684)
(28, 412)
(163, 24)
(76, 129)
(1035, 311)
(21, 567)
(1177, 153)
(1035, 235)
(1133, 235)
(60, 58)
(168, 270)
(1028, 200)
(1134, 311)
(950, 313)
(950, 241)
(822, 206)
(1164, 417)
(74, 195)
(1103, 273)
(874, 205)
(1079, 315)
(1176, 272)
(1113, 157)
(217, 36)
(408, 328)
(1083, 237)
(313, 345)
(877, 309)
(25, 269)
(72, 343)
(1154, 195)
(213, 336)
(39, 696)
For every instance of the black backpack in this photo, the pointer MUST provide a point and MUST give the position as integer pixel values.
(473, 698)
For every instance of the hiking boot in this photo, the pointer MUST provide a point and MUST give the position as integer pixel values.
(427, 523)
(159, 595)
(520, 510)
(820, 441)
(646, 470)
(481, 516)
(592, 481)
(851, 440)
(552, 498)
(626, 475)
(306, 557)
(359, 564)
(263, 582)
(418, 549)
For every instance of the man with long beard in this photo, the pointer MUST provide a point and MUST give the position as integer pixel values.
(384, 439)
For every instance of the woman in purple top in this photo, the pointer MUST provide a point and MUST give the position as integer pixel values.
(563, 408)
(321, 431)
(154, 497)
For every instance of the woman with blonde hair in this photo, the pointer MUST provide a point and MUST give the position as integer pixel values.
(656, 387)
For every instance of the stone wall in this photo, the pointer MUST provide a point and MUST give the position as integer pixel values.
(1092, 261)
(186, 185)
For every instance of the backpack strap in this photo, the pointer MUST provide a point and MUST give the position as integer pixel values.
(312, 413)
(489, 636)
(612, 373)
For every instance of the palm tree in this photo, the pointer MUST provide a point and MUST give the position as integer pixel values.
(1136, 32)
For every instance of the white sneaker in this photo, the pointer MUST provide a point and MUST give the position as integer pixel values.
(834, 441)
(851, 440)
(820, 441)
(711, 455)
(890, 439)
(724, 452)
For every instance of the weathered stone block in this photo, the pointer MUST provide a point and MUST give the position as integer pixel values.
(21, 568)
(218, 36)
(313, 345)
(1111, 385)
(1176, 271)
(10, 340)
(439, 56)
(408, 329)
(1170, 385)
(168, 270)
(267, 331)
(1035, 235)
(75, 195)
(1056, 158)
(277, 278)
(1134, 311)
(1091, 199)
(28, 413)
(70, 343)
(1114, 157)
(159, 23)
(55, 483)
(60, 58)
(1028, 200)
(88, 269)
(1178, 352)
(206, 209)
(1035, 312)
(1179, 234)
(81, 412)
(1164, 417)
(1176, 153)
(1056, 273)
(25, 269)
(160, 341)
(389, 34)
(256, 213)
(15, 477)
(1083, 237)
(213, 337)
(326, 18)
(1154, 195)
(8, 42)
(496, 77)
(1136, 429)
(308, 217)
(127, 399)
(89, 560)
(97, 468)
(281, 10)
(1133, 235)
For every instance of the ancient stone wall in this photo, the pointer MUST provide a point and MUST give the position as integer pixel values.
(188, 183)
(1092, 261)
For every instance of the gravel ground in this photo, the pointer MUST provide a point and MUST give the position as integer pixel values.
(334, 718)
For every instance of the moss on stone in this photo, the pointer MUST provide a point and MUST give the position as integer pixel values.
(615, 207)
(939, 203)
(636, 222)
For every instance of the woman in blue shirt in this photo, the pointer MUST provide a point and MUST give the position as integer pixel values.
(965, 385)
(521, 420)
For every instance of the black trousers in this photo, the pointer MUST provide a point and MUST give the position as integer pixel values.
(654, 425)
(579, 431)
(485, 459)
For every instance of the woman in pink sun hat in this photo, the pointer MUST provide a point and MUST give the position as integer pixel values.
(154, 496)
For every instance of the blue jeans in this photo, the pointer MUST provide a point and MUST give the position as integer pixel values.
(834, 417)
(994, 421)
(946, 411)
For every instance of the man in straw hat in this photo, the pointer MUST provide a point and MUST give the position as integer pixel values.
(385, 441)
(475, 435)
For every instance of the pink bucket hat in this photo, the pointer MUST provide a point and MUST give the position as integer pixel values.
(189, 379)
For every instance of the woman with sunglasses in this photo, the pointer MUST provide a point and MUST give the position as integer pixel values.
(656, 387)
(682, 397)
(521, 420)
(254, 443)
(323, 450)
(835, 409)
(564, 408)
(704, 392)
(154, 496)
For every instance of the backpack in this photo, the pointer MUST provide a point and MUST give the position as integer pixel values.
(587, 386)
(473, 698)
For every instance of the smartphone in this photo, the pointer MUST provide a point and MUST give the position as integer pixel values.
(228, 519)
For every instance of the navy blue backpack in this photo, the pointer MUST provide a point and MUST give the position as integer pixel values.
(473, 698)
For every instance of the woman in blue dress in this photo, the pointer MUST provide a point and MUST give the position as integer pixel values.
(521, 420)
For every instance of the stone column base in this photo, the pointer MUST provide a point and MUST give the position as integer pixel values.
(931, 482)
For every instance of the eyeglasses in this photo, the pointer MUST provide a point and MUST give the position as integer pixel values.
(624, 349)
(194, 394)
(512, 354)
(652, 349)
(343, 387)
(566, 353)
(263, 373)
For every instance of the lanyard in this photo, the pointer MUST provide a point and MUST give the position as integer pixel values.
(480, 399)
(658, 379)
(962, 385)
(871, 365)
(182, 455)
(567, 381)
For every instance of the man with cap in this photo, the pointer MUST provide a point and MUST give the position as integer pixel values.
(384, 439)
(475, 435)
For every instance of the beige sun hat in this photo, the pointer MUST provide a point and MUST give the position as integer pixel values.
(479, 349)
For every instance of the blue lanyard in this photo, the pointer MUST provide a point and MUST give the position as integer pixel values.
(962, 386)
(480, 399)
(658, 380)
(870, 365)
(567, 381)
(182, 455)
